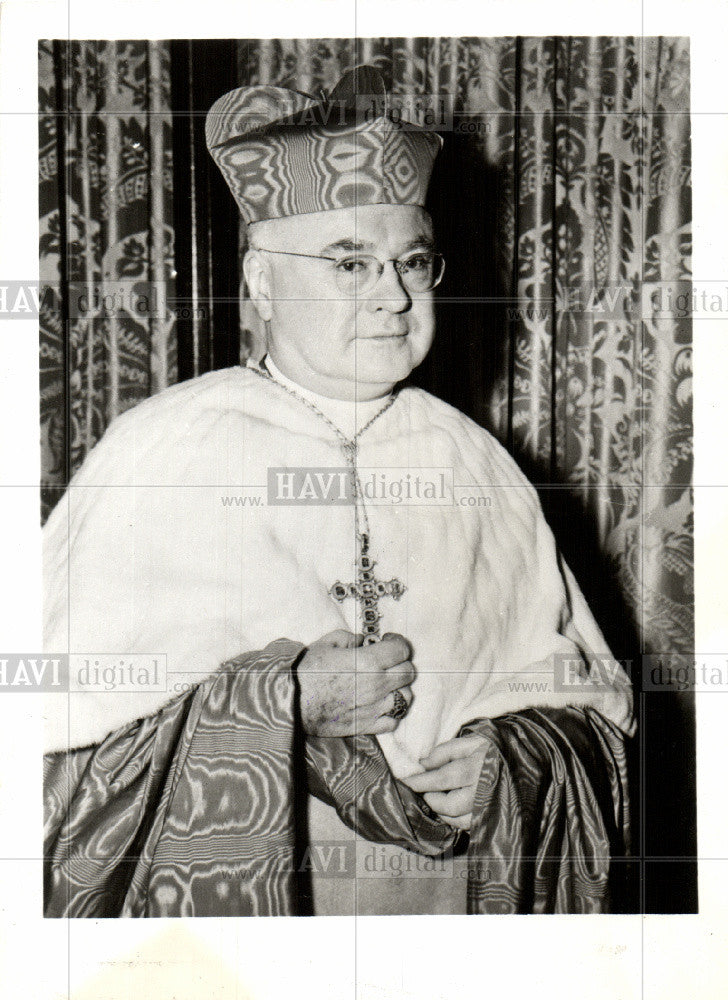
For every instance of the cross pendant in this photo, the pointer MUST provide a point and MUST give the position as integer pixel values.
(367, 590)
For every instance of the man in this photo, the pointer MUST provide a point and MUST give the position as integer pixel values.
(419, 675)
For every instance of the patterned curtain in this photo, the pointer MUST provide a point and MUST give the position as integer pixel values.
(567, 176)
(107, 338)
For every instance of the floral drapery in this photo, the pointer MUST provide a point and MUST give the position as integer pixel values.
(573, 157)
(107, 339)
(584, 145)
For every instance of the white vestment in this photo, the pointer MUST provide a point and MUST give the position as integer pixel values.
(159, 546)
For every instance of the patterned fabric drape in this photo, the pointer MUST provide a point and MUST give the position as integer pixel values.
(108, 339)
(183, 814)
(573, 193)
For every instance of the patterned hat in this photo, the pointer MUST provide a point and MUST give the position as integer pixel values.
(285, 153)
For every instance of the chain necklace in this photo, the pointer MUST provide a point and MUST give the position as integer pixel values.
(366, 589)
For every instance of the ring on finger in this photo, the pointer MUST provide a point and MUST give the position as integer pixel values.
(400, 707)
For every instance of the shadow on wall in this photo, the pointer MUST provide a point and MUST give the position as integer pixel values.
(471, 351)
(471, 346)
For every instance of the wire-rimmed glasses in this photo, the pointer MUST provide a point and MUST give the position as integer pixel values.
(357, 273)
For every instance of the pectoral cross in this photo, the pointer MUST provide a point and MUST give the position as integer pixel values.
(367, 590)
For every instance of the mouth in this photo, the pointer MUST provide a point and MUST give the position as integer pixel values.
(393, 335)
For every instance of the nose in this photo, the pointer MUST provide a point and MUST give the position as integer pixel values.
(389, 293)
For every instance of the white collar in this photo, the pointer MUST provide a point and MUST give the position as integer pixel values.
(348, 415)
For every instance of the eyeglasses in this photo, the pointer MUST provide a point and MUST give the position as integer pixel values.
(356, 274)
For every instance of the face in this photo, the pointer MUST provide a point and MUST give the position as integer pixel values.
(336, 345)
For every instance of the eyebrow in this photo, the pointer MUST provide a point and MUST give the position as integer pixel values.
(421, 240)
(357, 246)
(350, 246)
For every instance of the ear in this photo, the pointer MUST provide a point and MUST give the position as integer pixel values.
(258, 279)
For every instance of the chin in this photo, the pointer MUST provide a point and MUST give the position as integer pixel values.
(386, 360)
(384, 373)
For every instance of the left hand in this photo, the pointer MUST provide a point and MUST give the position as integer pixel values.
(451, 779)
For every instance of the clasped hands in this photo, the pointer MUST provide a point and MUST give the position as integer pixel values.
(347, 688)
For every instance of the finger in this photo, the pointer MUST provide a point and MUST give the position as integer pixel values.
(400, 676)
(381, 707)
(460, 822)
(396, 635)
(384, 724)
(391, 650)
(461, 746)
(368, 722)
(351, 722)
(390, 702)
(454, 803)
(375, 686)
(455, 774)
(406, 671)
(340, 638)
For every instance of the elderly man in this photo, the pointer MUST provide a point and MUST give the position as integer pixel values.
(417, 693)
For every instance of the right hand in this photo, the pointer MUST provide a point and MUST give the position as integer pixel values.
(346, 687)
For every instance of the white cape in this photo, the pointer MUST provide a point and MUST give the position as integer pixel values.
(143, 556)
